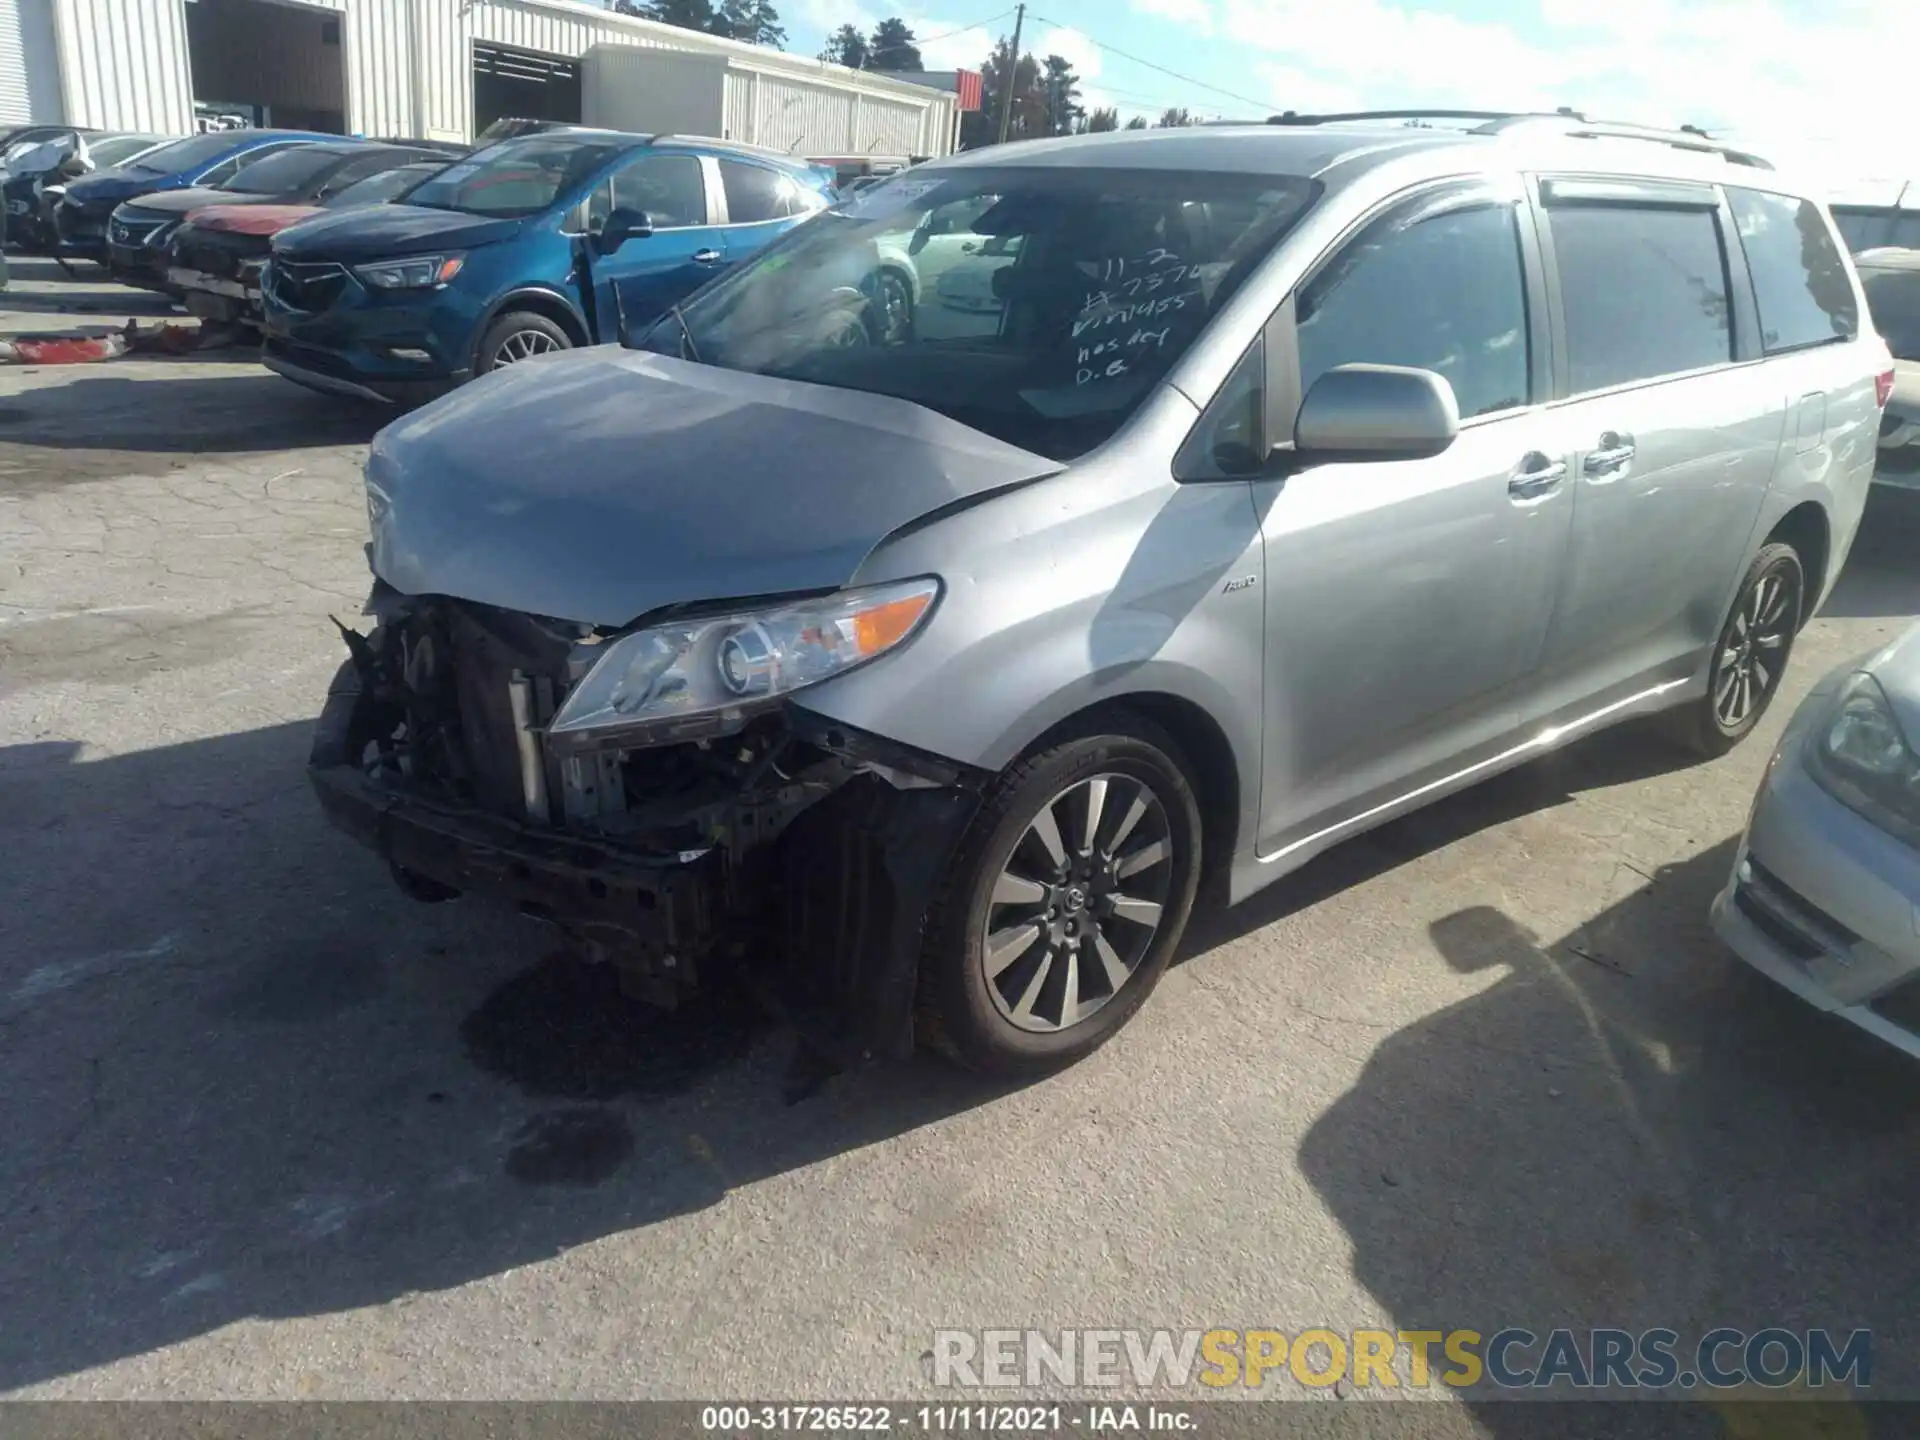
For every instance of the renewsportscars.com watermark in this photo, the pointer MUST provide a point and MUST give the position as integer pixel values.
(1511, 1358)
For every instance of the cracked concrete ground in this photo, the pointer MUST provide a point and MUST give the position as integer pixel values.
(273, 1130)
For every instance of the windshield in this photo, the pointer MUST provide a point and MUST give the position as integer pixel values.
(517, 177)
(285, 172)
(113, 151)
(1038, 305)
(1893, 299)
(378, 189)
(188, 154)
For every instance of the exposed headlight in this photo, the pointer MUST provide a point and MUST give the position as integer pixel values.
(1860, 756)
(418, 272)
(709, 675)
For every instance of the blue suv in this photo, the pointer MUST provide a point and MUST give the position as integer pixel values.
(536, 244)
(82, 215)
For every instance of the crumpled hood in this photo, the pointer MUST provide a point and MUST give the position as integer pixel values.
(604, 484)
(112, 187)
(253, 219)
(374, 232)
(1897, 668)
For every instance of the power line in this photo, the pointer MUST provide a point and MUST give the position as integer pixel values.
(1267, 106)
(949, 34)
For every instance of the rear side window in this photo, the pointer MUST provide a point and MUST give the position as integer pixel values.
(1643, 289)
(1439, 291)
(755, 194)
(1799, 280)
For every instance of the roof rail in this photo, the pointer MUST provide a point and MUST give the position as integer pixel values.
(1566, 121)
(744, 147)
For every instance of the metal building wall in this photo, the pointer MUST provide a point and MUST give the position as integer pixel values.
(123, 64)
(29, 64)
(277, 50)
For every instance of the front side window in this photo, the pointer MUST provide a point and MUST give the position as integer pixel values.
(668, 189)
(1438, 287)
(755, 193)
(1643, 289)
(1799, 280)
(518, 177)
(1039, 305)
(1893, 300)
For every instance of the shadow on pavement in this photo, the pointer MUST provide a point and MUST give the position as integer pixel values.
(181, 412)
(1637, 750)
(243, 1076)
(1882, 577)
(1628, 1128)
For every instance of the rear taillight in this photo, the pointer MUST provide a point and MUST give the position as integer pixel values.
(1883, 386)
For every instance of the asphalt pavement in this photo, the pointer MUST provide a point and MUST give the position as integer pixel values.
(272, 1130)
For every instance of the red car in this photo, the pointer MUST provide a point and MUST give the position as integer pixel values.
(216, 257)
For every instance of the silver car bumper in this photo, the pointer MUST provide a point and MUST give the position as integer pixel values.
(1824, 901)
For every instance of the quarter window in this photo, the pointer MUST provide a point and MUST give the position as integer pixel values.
(755, 194)
(1441, 289)
(1643, 289)
(1799, 280)
(669, 188)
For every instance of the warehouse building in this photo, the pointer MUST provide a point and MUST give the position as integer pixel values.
(437, 69)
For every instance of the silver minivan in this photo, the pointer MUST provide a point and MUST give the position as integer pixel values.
(918, 619)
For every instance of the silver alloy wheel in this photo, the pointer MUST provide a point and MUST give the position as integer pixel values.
(1077, 905)
(896, 309)
(524, 345)
(1753, 652)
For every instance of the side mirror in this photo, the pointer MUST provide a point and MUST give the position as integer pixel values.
(621, 226)
(1376, 412)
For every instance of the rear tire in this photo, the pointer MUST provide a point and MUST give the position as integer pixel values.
(519, 335)
(1749, 657)
(1045, 940)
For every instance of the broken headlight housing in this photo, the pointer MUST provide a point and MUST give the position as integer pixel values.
(1861, 757)
(709, 674)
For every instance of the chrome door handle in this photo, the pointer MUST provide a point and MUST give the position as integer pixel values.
(1615, 453)
(1537, 476)
(705, 257)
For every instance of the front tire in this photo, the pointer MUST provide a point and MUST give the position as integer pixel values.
(1750, 656)
(519, 335)
(1064, 904)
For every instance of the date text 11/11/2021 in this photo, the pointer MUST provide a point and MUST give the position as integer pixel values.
(945, 1419)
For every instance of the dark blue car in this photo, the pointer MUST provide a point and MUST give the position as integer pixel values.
(81, 217)
(539, 243)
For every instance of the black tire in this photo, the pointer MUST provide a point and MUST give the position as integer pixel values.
(1749, 656)
(958, 1013)
(539, 334)
(892, 311)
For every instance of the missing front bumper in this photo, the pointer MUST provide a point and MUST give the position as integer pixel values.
(826, 920)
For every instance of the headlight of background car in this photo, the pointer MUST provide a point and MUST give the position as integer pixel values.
(419, 272)
(709, 675)
(1860, 756)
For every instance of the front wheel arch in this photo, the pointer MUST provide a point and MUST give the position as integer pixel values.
(549, 304)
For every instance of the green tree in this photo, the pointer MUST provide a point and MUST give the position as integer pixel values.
(1061, 89)
(1098, 122)
(848, 47)
(892, 47)
(1138, 122)
(1029, 99)
(1174, 118)
(754, 21)
(687, 14)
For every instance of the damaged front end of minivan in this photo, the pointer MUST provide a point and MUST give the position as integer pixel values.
(653, 796)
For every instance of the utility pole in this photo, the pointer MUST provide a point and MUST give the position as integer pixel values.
(1008, 80)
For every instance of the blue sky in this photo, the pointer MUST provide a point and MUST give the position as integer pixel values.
(1815, 81)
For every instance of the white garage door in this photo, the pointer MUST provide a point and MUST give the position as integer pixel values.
(29, 67)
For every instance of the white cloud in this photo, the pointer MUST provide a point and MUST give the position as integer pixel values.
(1196, 15)
(829, 15)
(1831, 91)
